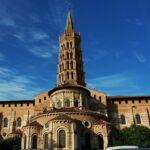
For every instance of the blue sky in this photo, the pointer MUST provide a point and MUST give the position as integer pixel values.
(115, 44)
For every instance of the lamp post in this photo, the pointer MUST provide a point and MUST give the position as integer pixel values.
(133, 114)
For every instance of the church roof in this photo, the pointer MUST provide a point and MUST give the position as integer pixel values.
(100, 122)
(127, 97)
(69, 24)
(16, 101)
(35, 123)
(62, 117)
(68, 85)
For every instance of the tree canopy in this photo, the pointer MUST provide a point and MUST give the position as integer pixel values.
(134, 135)
(13, 143)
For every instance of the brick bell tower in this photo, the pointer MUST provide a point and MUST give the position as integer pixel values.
(70, 64)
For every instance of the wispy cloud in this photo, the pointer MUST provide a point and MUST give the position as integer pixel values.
(2, 57)
(44, 51)
(112, 84)
(116, 80)
(58, 11)
(8, 22)
(16, 86)
(140, 57)
(37, 36)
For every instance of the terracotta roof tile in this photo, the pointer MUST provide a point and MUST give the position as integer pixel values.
(126, 97)
(100, 122)
(35, 123)
(62, 117)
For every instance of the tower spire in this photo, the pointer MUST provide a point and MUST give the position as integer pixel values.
(69, 23)
(70, 64)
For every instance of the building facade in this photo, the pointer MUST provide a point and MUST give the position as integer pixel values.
(71, 116)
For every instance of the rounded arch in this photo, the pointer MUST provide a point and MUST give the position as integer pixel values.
(70, 44)
(62, 66)
(100, 141)
(67, 65)
(67, 103)
(59, 104)
(62, 77)
(71, 64)
(63, 46)
(5, 122)
(67, 75)
(76, 102)
(87, 137)
(72, 76)
(67, 44)
(18, 122)
(138, 119)
(34, 141)
(71, 55)
(62, 137)
(122, 119)
(46, 139)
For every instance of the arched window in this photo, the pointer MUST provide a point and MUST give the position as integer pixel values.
(138, 119)
(70, 44)
(61, 139)
(25, 141)
(100, 142)
(18, 122)
(67, 44)
(71, 65)
(72, 75)
(5, 122)
(67, 75)
(59, 104)
(62, 67)
(67, 55)
(76, 103)
(67, 103)
(87, 141)
(62, 77)
(63, 46)
(67, 65)
(71, 55)
(59, 78)
(46, 145)
(53, 105)
(122, 119)
(34, 141)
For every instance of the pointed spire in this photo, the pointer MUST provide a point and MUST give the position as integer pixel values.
(69, 24)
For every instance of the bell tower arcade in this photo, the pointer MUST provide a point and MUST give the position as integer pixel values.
(70, 65)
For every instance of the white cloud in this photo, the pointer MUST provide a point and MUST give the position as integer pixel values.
(140, 58)
(59, 13)
(8, 22)
(15, 86)
(19, 35)
(37, 36)
(44, 51)
(2, 57)
(117, 84)
(111, 81)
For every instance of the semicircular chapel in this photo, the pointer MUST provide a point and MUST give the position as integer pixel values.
(71, 116)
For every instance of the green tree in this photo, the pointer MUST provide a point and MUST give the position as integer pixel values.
(13, 143)
(134, 135)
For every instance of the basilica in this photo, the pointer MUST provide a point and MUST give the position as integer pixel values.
(71, 116)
